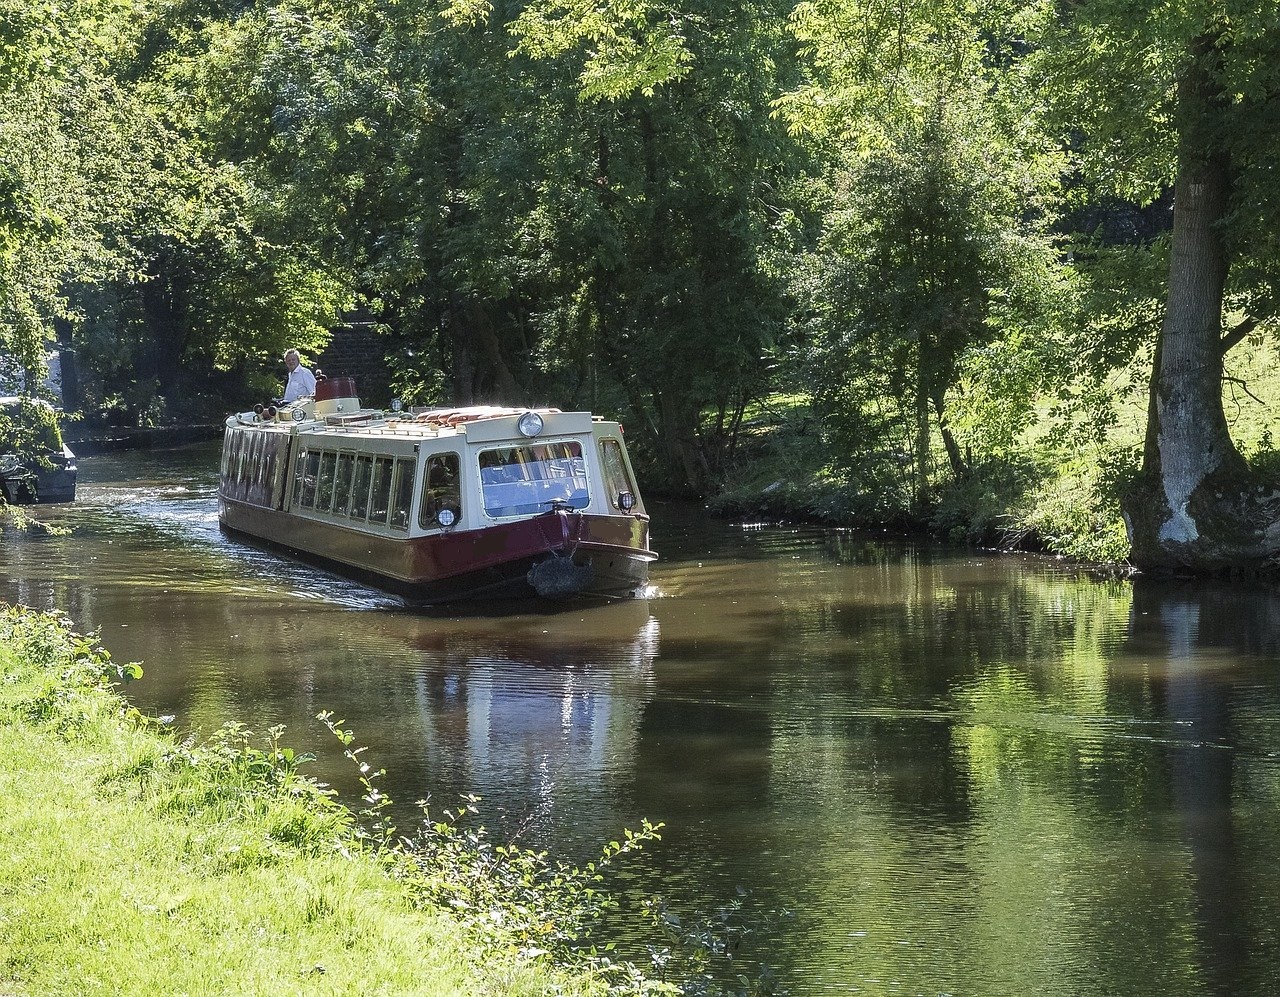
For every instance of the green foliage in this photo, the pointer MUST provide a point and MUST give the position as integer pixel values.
(1183, 93)
(610, 214)
(507, 894)
(936, 298)
(191, 852)
(697, 950)
(937, 276)
(240, 767)
(54, 98)
(877, 68)
(48, 642)
(943, 221)
(220, 280)
(15, 521)
(987, 507)
(1076, 510)
(233, 774)
(631, 47)
(30, 429)
(69, 669)
(417, 381)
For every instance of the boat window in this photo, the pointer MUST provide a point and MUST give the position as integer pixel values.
(255, 459)
(440, 491)
(266, 462)
(248, 453)
(233, 446)
(311, 467)
(228, 448)
(403, 494)
(324, 480)
(279, 461)
(360, 487)
(241, 452)
(380, 498)
(518, 481)
(342, 484)
(299, 472)
(616, 478)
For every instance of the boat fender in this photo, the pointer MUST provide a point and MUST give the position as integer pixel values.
(558, 576)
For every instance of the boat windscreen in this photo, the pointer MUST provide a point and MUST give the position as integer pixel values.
(523, 480)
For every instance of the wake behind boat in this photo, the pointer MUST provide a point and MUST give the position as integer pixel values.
(441, 504)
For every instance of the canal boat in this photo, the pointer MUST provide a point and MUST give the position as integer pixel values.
(440, 504)
(44, 471)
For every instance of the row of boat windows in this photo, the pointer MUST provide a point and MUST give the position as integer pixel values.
(376, 489)
(379, 488)
(369, 488)
(254, 460)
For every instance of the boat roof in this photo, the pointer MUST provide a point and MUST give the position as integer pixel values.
(477, 423)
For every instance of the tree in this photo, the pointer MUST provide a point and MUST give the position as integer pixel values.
(937, 245)
(56, 108)
(1187, 95)
(673, 205)
(932, 262)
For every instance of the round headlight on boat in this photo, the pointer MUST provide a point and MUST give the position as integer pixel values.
(626, 501)
(298, 415)
(446, 518)
(530, 424)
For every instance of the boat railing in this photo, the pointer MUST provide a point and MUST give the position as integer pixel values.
(449, 418)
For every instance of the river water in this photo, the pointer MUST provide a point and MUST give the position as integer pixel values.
(918, 770)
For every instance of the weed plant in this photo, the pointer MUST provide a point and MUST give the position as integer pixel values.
(524, 901)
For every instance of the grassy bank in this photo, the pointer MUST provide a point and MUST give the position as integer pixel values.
(1056, 488)
(133, 863)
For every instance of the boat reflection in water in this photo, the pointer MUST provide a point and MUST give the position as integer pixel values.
(546, 719)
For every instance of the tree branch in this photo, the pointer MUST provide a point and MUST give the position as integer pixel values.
(1243, 387)
(1237, 335)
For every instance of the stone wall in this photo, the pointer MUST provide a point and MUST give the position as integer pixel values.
(357, 350)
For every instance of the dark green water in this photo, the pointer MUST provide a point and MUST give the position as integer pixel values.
(960, 773)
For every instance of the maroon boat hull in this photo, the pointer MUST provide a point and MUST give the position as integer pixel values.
(552, 555)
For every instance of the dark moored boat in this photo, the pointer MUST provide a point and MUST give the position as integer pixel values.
(49, 475)
(441, 504)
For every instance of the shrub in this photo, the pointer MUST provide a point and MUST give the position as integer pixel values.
(987, 505)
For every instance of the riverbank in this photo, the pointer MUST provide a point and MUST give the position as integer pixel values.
(1030, 500)
(138, 863)
(91, 441)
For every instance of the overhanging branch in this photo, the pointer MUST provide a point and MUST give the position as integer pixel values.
(1244, 387)
(1238, 334)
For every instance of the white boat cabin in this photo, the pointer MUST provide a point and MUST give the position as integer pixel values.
(426, 471)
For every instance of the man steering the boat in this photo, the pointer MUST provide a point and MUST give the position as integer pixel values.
(301, 383)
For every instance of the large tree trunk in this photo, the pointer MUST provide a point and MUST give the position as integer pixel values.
(1195, 507)
(679, 446)
(922, 431)
(165, 313)
(474, 339)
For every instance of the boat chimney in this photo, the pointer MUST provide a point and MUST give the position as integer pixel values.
(334, 395)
